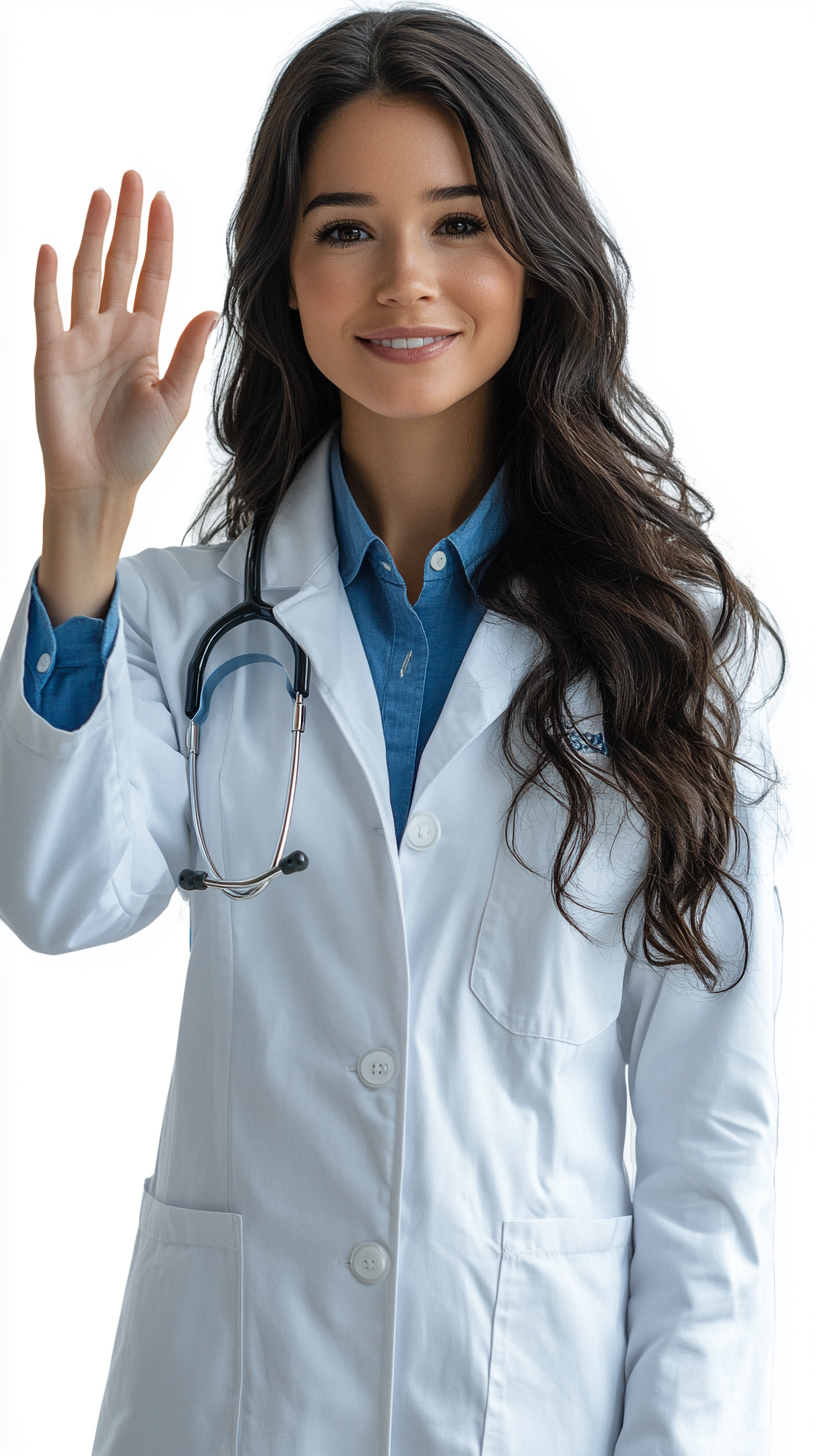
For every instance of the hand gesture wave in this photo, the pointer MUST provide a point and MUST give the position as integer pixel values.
(104, 414)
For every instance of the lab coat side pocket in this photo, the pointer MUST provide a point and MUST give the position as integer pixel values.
(559, 1338)
(175, 1375)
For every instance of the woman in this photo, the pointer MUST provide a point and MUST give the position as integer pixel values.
(390, 1210)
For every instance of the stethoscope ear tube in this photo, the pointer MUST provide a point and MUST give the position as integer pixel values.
(303, 667)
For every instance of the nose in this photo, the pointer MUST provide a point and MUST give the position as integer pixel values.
(407, 275)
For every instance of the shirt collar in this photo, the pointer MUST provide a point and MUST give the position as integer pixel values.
(354, 535)
(471, 541)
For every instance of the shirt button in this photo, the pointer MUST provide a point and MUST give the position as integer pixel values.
(439, 561)
(369, 1262)
(422, 831)
(44, 662)
(377, 1068)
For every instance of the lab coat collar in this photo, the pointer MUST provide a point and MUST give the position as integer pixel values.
(300, 576)
(301, 537)
(300, 571)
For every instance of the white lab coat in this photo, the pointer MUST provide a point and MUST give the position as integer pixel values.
(515, 1318)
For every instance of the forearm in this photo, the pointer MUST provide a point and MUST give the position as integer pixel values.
(83, 535)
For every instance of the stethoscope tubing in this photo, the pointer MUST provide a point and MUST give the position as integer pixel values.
(252, 608)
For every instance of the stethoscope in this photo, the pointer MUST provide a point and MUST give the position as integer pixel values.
(197, 706)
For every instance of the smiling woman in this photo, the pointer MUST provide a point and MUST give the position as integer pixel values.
(391, 270)
(398, 278)
(390, 1211)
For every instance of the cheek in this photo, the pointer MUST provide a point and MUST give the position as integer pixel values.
(326, 296)
(323, 291)
(491, 290)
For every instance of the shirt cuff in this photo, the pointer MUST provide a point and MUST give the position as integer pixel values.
(65, 665)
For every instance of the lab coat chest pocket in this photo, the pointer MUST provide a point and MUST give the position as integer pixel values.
(559, 1338)
(175, 1376)
(536, 974)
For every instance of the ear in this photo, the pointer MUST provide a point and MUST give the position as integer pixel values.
(292, 298)
(532, 289)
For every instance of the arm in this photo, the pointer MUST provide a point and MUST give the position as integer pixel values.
(93, 822)
(703, 1089)
(91, 819)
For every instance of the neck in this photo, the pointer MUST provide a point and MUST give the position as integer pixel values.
(416, 480)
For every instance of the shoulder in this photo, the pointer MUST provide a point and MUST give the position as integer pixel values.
(169, 580)
(162, 568)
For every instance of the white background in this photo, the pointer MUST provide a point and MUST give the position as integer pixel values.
(691, 123)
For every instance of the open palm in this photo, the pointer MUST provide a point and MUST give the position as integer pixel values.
(104, 414)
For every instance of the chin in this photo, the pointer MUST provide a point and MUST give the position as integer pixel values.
(410, 404)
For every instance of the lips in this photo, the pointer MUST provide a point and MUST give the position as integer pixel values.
(413, 331)
(406, 346)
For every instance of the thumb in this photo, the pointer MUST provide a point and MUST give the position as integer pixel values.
(176, 387)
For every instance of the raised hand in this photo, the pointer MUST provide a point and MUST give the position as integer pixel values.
(104, 414)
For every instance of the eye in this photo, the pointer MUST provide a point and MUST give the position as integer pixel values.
(342, 234)
(462, 225)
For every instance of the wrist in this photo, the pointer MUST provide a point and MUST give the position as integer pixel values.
(82, 542)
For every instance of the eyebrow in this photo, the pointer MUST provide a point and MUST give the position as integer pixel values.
(367, 199)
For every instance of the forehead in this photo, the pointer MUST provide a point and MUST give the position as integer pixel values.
(376, 144)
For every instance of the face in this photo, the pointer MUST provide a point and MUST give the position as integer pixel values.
(408, 301)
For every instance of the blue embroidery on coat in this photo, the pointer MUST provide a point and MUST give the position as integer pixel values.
(588, 742)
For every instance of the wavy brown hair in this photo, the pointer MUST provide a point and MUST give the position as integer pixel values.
(605, 557)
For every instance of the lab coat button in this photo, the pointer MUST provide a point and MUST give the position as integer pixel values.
(369, 1262)
(422, 831)
(44, 662)
(377, 1068)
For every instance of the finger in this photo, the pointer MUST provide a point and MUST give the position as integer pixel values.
(176, 387)
(124, 247)
(88, 266)
(154, 278)
(46, 303)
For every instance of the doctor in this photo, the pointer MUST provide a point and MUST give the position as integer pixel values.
(390, 1211)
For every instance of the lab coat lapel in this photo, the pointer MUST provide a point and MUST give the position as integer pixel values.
(491, 670)
(300, 576)
(321, 620)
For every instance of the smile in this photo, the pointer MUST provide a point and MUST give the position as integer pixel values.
(408, 343)
(402, 348)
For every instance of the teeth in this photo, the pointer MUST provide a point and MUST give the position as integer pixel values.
(408, 343)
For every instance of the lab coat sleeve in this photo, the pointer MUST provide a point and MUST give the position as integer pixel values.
(91, 820)
(703, 1091)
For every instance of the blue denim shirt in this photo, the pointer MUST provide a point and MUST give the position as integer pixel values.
(414, 652)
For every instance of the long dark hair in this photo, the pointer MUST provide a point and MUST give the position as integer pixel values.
(605, 557)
